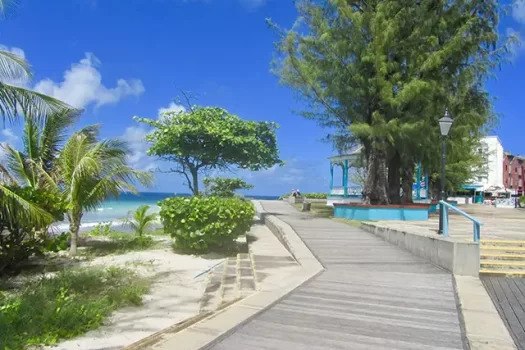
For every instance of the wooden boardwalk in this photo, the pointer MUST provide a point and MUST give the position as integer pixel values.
(372, 295)
(508, 294)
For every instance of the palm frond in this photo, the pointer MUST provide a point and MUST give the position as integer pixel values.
(13, 67)
(5, 176)
(17, 208)
(31, 138)
(54, 134)
(15, 100)
(18, 167)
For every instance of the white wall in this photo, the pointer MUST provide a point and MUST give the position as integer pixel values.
(493, 148)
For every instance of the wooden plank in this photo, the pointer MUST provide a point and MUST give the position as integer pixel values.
(372, 295)
(508, 314)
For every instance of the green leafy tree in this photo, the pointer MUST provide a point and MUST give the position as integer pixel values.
(381, 73)
(224, 187)
(202, 139)
(141, 221)
(90, 171)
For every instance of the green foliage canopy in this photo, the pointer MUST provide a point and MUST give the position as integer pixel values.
(381, 73)
(208, 138)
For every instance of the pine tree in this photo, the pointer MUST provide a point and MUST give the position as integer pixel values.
(382, 72)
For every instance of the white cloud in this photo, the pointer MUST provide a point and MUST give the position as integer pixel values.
(172, 107)
(518, 11)
(252, 4)
(10, 137)
(135, 137)
(82, 85)
(14, 50)
(515, 48)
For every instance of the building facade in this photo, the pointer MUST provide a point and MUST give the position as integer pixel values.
(513, 170)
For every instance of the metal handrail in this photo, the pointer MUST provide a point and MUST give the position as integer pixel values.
(476, 222)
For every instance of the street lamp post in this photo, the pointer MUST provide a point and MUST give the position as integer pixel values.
(445, 124)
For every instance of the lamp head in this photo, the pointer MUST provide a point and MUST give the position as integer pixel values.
(445, 123)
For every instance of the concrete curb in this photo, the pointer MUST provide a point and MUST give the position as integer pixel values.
(460, 258)
(484, 327)
(207, 332)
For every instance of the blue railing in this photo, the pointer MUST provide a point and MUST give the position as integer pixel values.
(476, 222)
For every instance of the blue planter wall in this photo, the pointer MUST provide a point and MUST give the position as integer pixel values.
(377, 213)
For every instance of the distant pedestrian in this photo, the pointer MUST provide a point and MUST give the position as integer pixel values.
(294, 193)
(298, 192)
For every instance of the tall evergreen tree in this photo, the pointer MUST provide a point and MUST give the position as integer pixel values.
(382, 72)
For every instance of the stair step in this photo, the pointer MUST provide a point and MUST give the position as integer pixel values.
(502, 256)
(518, 264)
(510, 273)
(505, 248)
(502, 242)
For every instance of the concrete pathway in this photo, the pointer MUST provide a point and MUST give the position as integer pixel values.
(372, 295)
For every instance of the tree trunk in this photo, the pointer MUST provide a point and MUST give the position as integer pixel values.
(74, 227)
(195, 181)
(376, 181)
(408, 182)
(394, 179)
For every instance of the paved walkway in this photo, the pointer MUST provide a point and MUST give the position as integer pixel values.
(372, 295)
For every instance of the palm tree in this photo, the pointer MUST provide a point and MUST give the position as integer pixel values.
(90, 171)
(141, 220)
(42, 141)
(15, 100)
(33, 165)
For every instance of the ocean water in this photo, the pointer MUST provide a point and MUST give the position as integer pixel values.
(115, 211)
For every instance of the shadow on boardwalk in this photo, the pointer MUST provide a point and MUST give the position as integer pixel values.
(372, 295)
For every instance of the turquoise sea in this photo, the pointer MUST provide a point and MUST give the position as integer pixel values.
(116, 210)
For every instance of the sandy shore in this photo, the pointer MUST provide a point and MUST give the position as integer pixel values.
(174, 297)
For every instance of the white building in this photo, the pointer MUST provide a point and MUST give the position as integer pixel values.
(492, 147)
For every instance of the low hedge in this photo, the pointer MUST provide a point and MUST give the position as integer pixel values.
(306, 195)
(202, 223)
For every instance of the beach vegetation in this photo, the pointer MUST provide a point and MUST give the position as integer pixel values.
(206, 223)
(64, 305)
(92, 171)
(224, 187)
(140, 220)
(202, 139)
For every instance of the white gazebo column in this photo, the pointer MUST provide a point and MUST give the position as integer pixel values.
(331, 177)
(345, 178)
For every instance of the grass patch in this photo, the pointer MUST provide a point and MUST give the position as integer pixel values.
(122, 245)
(318, 209)
(69, 304)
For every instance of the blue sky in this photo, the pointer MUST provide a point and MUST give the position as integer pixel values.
(119, 59)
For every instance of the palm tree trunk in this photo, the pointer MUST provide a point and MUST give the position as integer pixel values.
(74, 227)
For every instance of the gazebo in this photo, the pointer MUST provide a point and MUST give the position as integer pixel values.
(344, 193)
(347, 193)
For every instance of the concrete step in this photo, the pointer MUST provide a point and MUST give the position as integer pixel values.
(502, 248)
(501, 242)
(502, 256)
(508, 273)
(510, 264)
(229, 282)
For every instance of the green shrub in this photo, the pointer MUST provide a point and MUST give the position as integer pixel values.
(306, 195)
(21, 239)
(224, 187)
(67, 305)
(201, 223)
